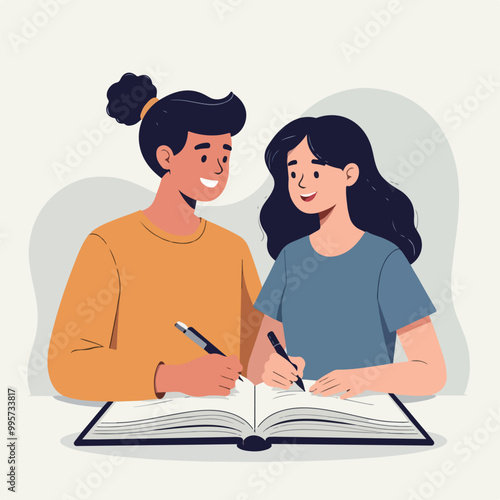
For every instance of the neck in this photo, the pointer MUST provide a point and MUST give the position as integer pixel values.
(336, 221)
(171, 210)
(337, 233)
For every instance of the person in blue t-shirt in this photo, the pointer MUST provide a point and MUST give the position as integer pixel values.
(342, 288)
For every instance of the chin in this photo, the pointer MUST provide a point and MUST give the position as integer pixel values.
(209, 196)
(307, 207)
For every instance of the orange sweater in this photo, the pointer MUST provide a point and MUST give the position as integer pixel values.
(129, 285)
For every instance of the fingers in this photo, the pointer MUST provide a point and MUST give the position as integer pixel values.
(233, 363)
(223, 385)
(327, 376)
(233, 368)
(230, 377)
(210, 389)
(281, 366)
(321, 386)
(279, 372)
(327, 380)
(274, 379)
(335, 388)
(300, 362)
(221, 391)
(331, 383)
(226, 383)
(337, 382)
(229, 367)
(350, 393)
(222, 374)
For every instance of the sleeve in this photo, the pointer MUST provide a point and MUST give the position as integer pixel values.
(84, 358)
(270, 298)
(401, 297)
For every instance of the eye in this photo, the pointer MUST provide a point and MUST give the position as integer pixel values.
(293, 175)
(204, 158)
(316, 175)
(224, 160)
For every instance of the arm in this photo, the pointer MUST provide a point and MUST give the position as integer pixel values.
(251, 318)
(424, 373)
(263, 349)
(265, 364)
(86, 359)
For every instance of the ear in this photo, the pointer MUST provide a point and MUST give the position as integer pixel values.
(352, 173)
(164, 157)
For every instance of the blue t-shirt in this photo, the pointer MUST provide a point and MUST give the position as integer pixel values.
(343, 312)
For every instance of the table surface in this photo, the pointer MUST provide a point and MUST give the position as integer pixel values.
(465, 431)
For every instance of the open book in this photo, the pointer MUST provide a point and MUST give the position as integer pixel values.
(254, 417)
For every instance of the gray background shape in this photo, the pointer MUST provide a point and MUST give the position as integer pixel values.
(392, 123)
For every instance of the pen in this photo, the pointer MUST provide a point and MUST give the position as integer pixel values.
(279, 349)
(199, 339)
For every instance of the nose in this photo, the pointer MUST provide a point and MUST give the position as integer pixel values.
(221, 169)
(300, 182)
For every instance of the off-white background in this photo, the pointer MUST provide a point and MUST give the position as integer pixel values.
(279, 57)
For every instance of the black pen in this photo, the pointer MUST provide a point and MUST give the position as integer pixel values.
(199, 339)
(279, 349)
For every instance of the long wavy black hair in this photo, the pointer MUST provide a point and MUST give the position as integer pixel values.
(374, 205)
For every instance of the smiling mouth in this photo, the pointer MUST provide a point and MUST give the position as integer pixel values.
(308, 197)
(208, 182)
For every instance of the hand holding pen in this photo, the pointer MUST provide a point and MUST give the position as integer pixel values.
(282, 371)
(212, 375)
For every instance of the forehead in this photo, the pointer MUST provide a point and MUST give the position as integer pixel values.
(214, 140)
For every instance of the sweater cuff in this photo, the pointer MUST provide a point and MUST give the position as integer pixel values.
(159, 395)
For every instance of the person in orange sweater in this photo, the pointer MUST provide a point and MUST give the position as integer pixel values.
(136, 276)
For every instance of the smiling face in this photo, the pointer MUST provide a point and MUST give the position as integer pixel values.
(201, 169)
(314, 186)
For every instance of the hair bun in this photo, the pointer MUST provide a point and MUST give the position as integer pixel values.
(127, 97)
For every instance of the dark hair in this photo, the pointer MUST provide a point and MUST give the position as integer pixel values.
(170, 119)
(374, 205)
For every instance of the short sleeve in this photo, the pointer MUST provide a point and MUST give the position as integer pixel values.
(401, 297)
(270, 298)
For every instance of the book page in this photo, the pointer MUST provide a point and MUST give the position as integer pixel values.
(177, 415)
(293, 412)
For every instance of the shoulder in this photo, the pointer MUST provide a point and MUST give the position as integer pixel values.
(297, 246)
(117, 227)
(380, 248)
(294, 248)
(388, 258)
(225, 238)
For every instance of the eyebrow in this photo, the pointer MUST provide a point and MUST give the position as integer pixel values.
(228, 147)
(293, 162)
(318, 162)
(203, 145)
